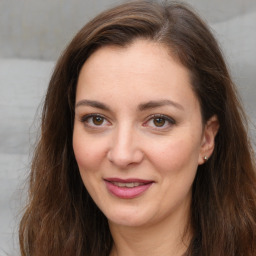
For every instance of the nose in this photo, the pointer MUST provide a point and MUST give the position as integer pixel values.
(125, 149)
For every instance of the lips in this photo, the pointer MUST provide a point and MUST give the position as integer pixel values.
(128, 184)
(127, 188)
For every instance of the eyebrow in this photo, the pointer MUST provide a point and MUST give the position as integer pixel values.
(92, 103)
(159, 103)
(141, 107)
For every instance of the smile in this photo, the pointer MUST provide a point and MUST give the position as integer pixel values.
(128, 185)
(127, 189)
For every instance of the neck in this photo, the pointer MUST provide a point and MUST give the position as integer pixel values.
(169, 237)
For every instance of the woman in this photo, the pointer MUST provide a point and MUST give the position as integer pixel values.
(144, 147)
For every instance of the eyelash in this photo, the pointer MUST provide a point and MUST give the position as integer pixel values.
(85, 119)
(170, 121)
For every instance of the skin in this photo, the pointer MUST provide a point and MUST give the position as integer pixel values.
(128, 141)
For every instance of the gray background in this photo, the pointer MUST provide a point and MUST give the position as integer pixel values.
(32, 35)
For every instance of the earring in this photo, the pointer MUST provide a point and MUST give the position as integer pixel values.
(205, 158)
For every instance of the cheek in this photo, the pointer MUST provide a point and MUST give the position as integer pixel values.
(175, 156)
(84, 154)
(88, 152)
(88, 156)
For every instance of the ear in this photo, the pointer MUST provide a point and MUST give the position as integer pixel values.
(207, 145)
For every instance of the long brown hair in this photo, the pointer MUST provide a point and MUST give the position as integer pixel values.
(61, 219)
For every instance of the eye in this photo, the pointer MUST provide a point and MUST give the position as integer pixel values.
(159, 121)
(95, 120)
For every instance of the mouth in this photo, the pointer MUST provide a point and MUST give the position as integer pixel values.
(128, 184)
(127, 188)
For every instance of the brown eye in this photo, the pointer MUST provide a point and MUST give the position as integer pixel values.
(159, 122)
(97, 120)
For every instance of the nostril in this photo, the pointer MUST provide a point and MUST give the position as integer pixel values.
(124, 158)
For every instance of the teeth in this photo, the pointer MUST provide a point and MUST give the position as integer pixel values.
(127, 185)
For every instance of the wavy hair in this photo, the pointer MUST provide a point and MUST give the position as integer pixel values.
(62, 220)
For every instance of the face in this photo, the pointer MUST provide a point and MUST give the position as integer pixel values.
(138, 134)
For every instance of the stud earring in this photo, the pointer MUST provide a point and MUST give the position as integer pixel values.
(205, 158)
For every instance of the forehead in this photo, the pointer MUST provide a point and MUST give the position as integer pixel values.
(141, 57)
(143, 70)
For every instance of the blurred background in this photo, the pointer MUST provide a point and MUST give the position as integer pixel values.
(33, 34)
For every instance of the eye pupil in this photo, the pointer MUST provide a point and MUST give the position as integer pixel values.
(97, 120)
(159, 122)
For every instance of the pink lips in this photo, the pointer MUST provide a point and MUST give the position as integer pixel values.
(127, 188)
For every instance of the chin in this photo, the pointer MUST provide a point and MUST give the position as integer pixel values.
(127, 221)
(129, 218)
